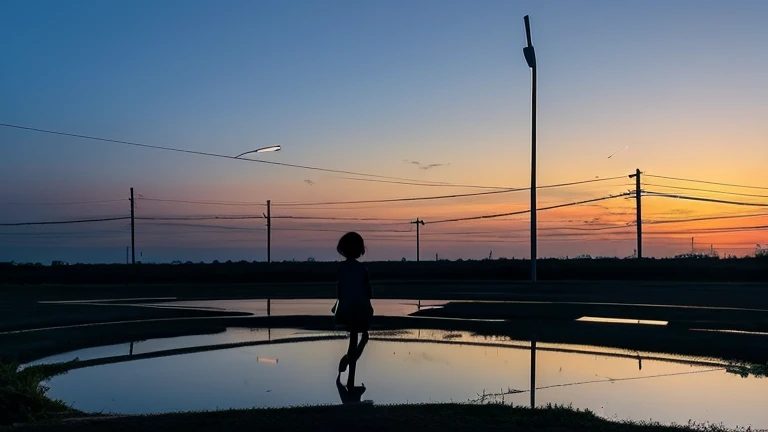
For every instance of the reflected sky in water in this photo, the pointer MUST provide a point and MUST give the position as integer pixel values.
(410, 366)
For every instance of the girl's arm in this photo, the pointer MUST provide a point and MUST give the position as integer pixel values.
(367, 282)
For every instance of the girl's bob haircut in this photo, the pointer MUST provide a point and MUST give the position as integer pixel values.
(351, 246)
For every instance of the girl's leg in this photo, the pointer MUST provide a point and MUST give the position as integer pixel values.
(352, 349)
(352, 358)
(361, 346)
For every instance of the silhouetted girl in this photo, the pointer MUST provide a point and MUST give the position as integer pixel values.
(353, 291)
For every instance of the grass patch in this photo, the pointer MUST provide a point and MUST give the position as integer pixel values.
(23, 395)
(401, 418)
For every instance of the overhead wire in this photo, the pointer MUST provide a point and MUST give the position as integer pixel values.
(221, 203)
(705, 190)
(65, 222)
(701, 199)
(362, 219)
(425, 198)
(701, 219)
(528, 211)
(706, 182)
(223, 156)
(64, 203)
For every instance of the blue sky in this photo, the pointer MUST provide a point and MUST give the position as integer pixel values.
(363, 85)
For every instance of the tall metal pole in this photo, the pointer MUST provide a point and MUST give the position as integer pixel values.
(530, 57)
(133, 233)
(269, 231)
(638, 207)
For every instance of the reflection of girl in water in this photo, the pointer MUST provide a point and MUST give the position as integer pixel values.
(351, 393)
(353, 311)
(353, 291)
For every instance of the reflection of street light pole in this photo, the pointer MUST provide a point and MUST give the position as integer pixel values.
(533, 371)
(273, 148)
(530, 58)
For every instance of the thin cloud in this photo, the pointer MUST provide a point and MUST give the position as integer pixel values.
(430, 166)
(423, 166)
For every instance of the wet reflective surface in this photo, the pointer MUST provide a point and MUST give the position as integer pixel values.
(288, 367)
(382, 307)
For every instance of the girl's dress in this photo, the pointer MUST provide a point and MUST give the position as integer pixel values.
(354, 310)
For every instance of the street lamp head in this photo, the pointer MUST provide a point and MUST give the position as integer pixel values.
(528, 51)
(273, 148)
(530, 56)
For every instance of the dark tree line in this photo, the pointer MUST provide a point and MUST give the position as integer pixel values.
(673, 269)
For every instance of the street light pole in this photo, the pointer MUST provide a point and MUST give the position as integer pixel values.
(530, 58)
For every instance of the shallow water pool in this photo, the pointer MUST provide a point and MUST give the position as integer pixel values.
(286, 367)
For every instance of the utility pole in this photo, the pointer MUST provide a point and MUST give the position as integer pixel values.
(417, 222)
(268, 216)
(530, 58)
(133, 233)
(692, 250)
(638, 206)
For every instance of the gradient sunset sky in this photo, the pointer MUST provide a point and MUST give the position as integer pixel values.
(678, 87)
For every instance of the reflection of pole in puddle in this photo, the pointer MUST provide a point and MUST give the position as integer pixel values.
(533, 373)
(130, 352)
(269, 334)
(269, 307)
(419, 305)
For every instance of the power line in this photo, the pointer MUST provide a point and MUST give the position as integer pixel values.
(421, 183)
(706, 190)
(528, 211)
(341, 231)
(714, 230)
(246, 217)
(63, 203)
(706, 218)
(196, 218)
(339, 218)
(222, 156)
(222, 203)
(229, 227)
(66, 222)
(711, 200)
(508, 190)
(707, 182)
(391, 200)
(62, 234)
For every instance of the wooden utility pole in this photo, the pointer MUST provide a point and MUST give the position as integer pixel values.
(269, 230)
(133, 233)
(638, 205)
(417, 222)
